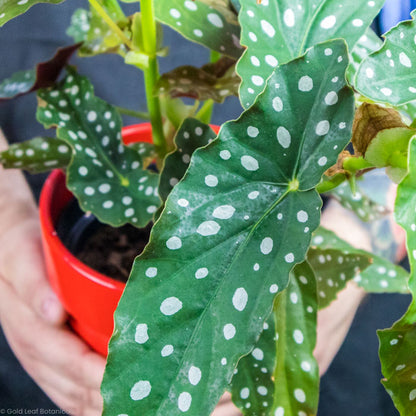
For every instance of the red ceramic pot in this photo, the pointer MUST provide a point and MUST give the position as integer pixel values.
(89, 297)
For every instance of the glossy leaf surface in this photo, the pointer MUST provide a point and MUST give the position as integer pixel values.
(192, 135)
(41, 154)
(397, 345)
(45, 75)
(215, 261)
(210, 23)
(381, 276)
(277, 31)
(12, 8)
(106, 177)
(388, 75)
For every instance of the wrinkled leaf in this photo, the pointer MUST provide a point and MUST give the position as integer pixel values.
(206, 22)
(381, 276)
(192, 135)
(41, 154)
(106, 177)
(397, 344)
(12, 8)
(359, 202)
(202, 83)
(215, 260)
(277, 31)
(388, 75)
(369, 120)
(45, 75)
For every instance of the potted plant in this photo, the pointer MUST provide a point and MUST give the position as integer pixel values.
(226, 292)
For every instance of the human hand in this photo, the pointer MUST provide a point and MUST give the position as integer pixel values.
(32, 318)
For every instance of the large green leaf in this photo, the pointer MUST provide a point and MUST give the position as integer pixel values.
(381, 276)
(106, 177)
(388, 75)
(230, 232)
(264, 383)
(44, 75)
(12, 8)
(397, 345)
(208, 22)
(41, 154)
(276, 31)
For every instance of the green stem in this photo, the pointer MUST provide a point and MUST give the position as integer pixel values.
(205, 112)
(113, 26)
(354, 164)
(329, 184)
(138, 114)
(398, 160)
(151, 76)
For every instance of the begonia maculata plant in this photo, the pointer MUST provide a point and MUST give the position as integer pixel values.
(226, 293)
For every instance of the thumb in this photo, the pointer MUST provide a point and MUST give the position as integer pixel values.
(22, 266)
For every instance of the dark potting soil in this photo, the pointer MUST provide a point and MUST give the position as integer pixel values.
(110, 251)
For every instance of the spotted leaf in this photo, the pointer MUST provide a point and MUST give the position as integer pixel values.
(210, 23)
(252, 385)
(106, 177)
(295, 315)
(367, 44)
(45, 75)
(263, 384)
(359, 202)
(12, 8)
(277, 31)
(380, 76)
(380, 277)
(228, 237)
(333, 269)
(192, 135)
(40, 154)
(201, 83)
(397, 344)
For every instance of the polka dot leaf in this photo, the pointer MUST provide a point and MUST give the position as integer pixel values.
(263, 384)
(276, 32)
(44, 75)
(381, 276)
(216, 257)
(208, 22)
(359, 202)
(12, 8)
(252, 386)
(397, 344)
(97, 37)
(296, 374)
(213, 81)
(380, 76)
(107, 177)
(191, 135)
(41, 154)
(333, 269)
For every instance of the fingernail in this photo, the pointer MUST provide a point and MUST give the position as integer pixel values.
(52, 310)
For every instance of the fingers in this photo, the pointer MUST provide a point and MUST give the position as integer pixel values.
(63, 366)
(226, 407)
(21, 265)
